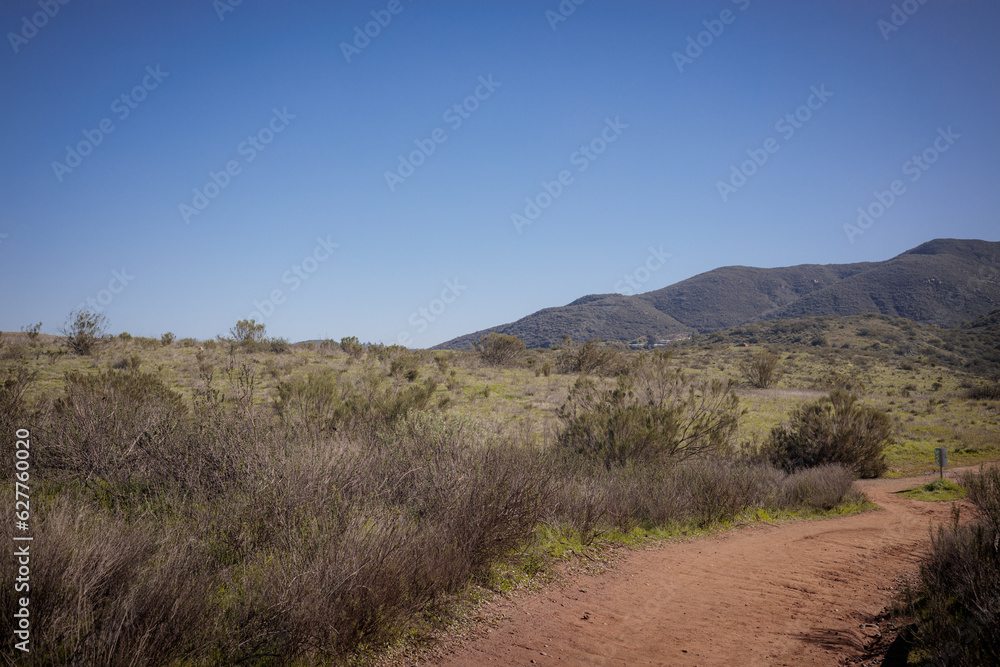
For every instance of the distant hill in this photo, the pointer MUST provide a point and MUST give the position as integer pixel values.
(944, 282)
(733, 295)
(606, 316)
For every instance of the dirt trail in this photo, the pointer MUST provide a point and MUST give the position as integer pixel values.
(790, 594)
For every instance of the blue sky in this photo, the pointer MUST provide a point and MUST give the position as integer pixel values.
(244, 173)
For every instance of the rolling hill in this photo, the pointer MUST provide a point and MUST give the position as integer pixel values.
(944, 282)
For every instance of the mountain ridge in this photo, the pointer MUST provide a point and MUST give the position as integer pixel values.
(944, 282)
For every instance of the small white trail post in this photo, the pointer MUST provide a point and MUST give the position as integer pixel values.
(941, 458)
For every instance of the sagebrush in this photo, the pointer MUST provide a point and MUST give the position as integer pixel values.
(836, 429)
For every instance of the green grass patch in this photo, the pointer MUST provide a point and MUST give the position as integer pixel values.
(936, 491)
(559, 543)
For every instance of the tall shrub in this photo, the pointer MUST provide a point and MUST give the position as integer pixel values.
(760, 369)
(498, 349)
(84, 331)
(835, 429)
(654, 412)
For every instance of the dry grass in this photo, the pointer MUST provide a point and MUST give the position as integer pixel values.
(206, 506)
(221, 537)
(956, 609)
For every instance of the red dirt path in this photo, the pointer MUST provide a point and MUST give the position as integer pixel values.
(795, 593)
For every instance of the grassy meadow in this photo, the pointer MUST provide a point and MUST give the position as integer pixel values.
(925, 396)
(211, 502)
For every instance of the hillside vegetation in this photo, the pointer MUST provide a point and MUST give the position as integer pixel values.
(973, 347)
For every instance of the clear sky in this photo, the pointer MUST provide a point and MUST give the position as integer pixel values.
(183, 165)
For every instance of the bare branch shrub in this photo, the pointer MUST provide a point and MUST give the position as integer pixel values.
(313, 404)
(32, 330)
(352, 347)
(106, 591)
(84, 331)
(405, 364)
(117, 432)
(701, 490)
(982, 489)
(760, 369)
(590, 357)
(956, 609)
(654, 413)
(15, 378)
(985, 392)
(498, 349)
(248, 333)
(823, 487)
